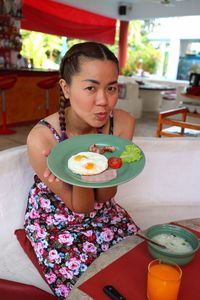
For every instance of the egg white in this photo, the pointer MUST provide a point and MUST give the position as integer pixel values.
(87, 163)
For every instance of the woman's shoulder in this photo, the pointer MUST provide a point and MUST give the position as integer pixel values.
(41, 133)
(120, 113)
(124, 123)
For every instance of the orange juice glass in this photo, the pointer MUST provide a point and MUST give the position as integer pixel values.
(163, 280)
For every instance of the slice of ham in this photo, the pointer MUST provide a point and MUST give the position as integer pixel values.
(102, 177)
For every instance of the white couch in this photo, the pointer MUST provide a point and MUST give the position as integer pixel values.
(131, 102)
(167, 189)
(15, 181)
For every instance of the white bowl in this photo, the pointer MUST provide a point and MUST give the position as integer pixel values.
(191, 108)
(198, 109)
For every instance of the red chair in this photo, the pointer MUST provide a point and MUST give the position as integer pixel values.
(6, 83)
(48, 84)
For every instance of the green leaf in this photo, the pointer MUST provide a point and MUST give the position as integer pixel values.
(131, 153)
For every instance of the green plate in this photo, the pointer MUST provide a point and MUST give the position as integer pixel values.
(58, 159)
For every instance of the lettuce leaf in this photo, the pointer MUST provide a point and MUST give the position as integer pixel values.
(131, 153)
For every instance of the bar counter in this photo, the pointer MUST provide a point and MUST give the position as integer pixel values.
(25, 102)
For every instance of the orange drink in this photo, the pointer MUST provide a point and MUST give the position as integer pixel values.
(163, 280)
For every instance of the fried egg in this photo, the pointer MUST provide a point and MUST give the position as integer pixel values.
(87, 163)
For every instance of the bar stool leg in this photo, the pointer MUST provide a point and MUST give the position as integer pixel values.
(4, 129)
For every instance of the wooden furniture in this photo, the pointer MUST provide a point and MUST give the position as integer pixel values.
(6, 83)
(26, 99)
(48, 84)
(166, 118)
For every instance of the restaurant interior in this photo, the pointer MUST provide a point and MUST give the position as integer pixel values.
(164, 190)
(144, 97)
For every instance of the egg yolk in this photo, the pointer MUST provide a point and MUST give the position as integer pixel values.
(79, 157)
(89, 166)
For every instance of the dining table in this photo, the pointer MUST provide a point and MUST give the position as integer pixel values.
(117, 253)
(151, 95)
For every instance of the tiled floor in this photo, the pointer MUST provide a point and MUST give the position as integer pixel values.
(145, 126)
(17, 139)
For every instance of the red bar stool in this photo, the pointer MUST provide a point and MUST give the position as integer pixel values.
(6, 83)
(47, 84)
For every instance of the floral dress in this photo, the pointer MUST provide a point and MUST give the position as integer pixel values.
(66, 242)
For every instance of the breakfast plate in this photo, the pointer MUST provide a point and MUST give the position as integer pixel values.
(60, 154)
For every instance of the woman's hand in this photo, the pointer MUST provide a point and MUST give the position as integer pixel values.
(47, 172)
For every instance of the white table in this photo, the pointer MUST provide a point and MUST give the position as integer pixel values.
(150, 94)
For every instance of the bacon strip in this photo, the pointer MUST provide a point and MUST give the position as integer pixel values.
(102, 150)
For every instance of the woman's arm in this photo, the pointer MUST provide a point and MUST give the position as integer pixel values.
(104, 194)
(124, 126)
(76, 198)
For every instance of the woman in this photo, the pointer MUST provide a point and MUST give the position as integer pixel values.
(70, 226)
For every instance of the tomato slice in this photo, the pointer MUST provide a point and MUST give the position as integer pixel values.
(114, 162)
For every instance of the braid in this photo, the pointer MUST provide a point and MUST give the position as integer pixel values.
(62, 105)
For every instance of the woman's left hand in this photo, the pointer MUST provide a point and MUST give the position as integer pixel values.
(47, 172)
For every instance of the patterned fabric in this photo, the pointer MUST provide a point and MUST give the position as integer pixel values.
(65, 242)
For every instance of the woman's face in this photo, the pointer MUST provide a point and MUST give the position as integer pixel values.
(93, 92)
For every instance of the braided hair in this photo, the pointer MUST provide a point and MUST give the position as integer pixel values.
(70, 65)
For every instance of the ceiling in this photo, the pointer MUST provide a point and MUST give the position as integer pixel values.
(95, 19)
(138, 9)
(57, 18)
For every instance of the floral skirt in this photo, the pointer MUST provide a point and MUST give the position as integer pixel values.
(65, 242)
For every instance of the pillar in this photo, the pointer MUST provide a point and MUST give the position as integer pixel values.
(123, 43)
(174, 53)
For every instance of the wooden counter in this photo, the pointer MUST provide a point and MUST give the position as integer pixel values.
(25, 102)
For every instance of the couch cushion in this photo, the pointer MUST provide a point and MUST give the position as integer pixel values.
(168, 188)
(10, 290)
(16, 180)
(28, 249)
